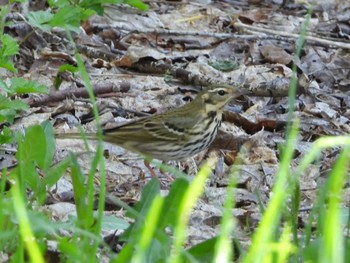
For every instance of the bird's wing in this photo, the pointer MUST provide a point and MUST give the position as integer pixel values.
(165, 127)
(170, 129)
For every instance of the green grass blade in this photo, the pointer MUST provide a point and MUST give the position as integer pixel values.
(185, 207)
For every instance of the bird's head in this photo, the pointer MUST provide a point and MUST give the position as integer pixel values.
(216, 97)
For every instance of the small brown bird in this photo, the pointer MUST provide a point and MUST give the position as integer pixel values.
(173, 135)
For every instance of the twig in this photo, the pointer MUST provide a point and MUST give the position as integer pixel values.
(309, 39)
(273, 34)
(190, 33)
(57, 96)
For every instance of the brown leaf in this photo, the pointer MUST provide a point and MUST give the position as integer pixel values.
(275, 54)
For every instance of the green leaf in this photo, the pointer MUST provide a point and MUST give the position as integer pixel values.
(68, 67)
(150, 191)
(172, 201)
(23, 86)
(5, 135)
(34, 146)
(81, 194)
(202, 252)
(31, 177)
(6, 63)
(138, 4)
(7, 115)
(50, 143)
(41, 224)
(125, 254)
(55, 173)
(78, 181)
(87, 13)
(6, 103)
(112, 223)
(4, 86)
(67, 17)
(58, 3)
(9, 108)
(40, 19)
(9, 46)
(52, 175)
(160, 245)
(224, 65)
(311, 251)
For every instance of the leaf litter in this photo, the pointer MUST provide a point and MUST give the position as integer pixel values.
(189, 36)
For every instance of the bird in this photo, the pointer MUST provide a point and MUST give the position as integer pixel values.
(176, 134)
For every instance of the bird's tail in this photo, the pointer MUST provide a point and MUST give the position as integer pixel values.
(76, 135)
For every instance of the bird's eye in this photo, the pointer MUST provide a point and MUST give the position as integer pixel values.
(221, 92)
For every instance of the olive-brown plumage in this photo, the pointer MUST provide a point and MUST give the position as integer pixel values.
(175, 134)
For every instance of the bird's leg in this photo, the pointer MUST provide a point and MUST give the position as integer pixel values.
(170, 179)
(150, 169)
(153, 174)
(192, 168)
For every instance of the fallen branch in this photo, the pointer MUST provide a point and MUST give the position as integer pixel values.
(57, 96)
